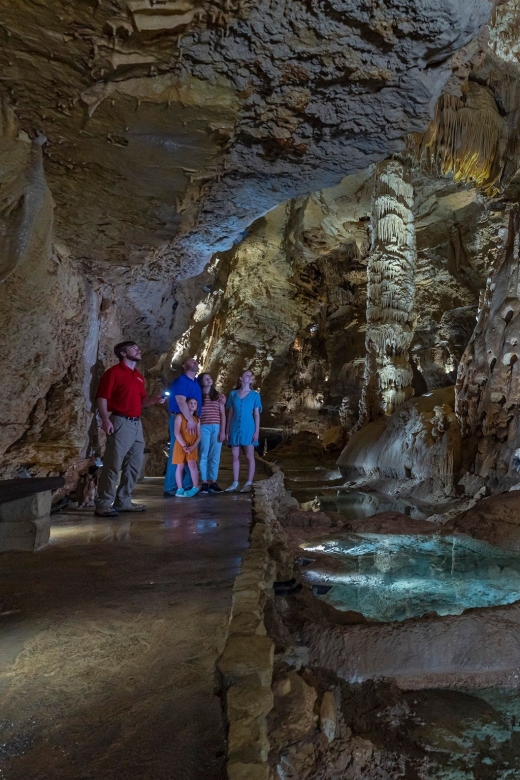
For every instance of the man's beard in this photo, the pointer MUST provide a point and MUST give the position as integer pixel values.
(133, 359)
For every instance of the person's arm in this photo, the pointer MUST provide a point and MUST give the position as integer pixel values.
(196, 442)
(154, 399)
(183, 406)
(104, 394)
(256, 417)
(177, 431)
(106, 423)
(229, 420)
(222, 432)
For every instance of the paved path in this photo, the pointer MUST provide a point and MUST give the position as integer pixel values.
(108, 639)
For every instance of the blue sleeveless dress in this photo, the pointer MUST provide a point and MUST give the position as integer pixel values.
(242, 426)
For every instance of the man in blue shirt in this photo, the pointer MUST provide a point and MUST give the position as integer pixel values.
(185, 386)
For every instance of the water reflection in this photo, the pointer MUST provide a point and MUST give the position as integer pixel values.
(357, 505)
(96, 532)
(396, 577)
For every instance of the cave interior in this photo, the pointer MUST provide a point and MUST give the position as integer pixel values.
(326, 193)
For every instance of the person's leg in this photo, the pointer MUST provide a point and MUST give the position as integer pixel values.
(179, 471)
(132, 464)
(250, 457)
(187, 484)
(235, 451)
(249, 451)
(215, 448)
(194, 472)
(116, 448)
(204, 450)
(169, 478)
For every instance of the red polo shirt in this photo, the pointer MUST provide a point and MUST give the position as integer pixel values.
(124, 390)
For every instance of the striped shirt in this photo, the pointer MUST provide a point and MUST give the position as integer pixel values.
(211, 410)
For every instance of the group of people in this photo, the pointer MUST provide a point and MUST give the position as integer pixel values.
(198, 427)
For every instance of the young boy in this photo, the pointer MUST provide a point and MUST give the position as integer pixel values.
(185, 450)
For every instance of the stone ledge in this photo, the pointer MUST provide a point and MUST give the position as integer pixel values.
(246, 664)
(22, 510)
(26, 535)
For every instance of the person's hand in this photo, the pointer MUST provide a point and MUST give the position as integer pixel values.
(158, 399)
(191, 425)
(256, 434)
(107, 425)
(226, 436)
(222, 436)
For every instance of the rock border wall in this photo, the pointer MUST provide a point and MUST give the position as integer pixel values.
(245, 667)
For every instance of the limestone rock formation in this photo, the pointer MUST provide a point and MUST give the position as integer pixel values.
(488, 385)
(169, 128)
(420, 441)
(391, 293)
(171, 119)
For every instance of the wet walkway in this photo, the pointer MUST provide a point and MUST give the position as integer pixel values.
(108, 639)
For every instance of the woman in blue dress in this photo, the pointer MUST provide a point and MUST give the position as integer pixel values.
(243, 428)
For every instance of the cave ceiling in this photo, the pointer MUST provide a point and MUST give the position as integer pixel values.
(171, 125)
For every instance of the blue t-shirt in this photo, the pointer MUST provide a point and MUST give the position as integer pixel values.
(187, 387)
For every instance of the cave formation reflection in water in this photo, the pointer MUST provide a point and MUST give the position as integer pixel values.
(396, 577)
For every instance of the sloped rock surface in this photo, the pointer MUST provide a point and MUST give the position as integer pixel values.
(162, 117)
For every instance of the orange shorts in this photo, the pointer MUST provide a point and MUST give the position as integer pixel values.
(179, 456)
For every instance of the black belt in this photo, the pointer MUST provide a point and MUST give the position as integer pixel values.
(125, 416)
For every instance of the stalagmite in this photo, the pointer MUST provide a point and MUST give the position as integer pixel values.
(390, 294)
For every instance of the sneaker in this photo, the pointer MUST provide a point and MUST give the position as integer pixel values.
(180, 493)
(232, 488)
(107, 513)
(190, 493)
(248, 487)
(204, 488)
(214, 488)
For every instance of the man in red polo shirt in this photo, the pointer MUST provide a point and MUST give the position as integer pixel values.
(120, 399)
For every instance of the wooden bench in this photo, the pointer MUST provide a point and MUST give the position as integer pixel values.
(25, 506)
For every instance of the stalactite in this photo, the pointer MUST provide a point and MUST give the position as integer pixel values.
(390, 293)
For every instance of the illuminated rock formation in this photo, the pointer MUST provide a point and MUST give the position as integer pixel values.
(170, 128)
(466, 138)
(390, 293)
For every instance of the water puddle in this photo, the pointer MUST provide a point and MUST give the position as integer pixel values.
(357, 505)
(397, 577)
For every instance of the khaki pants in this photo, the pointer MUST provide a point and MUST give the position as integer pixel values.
(124, 452)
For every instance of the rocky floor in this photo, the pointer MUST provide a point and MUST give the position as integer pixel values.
(108, 641)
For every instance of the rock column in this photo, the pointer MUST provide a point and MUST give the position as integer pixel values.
(390, 293)
(488, 383)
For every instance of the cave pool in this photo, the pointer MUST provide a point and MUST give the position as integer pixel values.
(396, 577)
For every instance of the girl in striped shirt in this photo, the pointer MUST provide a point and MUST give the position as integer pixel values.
(212, 433)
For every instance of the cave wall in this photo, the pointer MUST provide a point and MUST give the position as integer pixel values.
(489, 379)
(198, 166)
(46, 319)
(289, 301)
